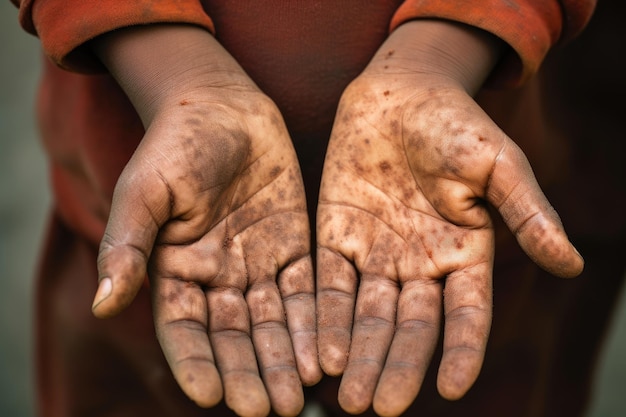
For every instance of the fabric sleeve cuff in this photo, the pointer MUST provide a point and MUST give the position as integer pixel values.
(65, 26)
(529, 27)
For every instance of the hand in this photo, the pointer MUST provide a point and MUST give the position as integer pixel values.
(212, 207)
(404, 232)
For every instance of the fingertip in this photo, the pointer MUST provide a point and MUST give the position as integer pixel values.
(308, 365)
(353, 400)
(112, 299)
(251, 402)
(123, 271)
(395, 392)
(457, 373)
(207, 399)
(105, 288)
(451, 389)
(288, 400)
(569, 265)
(333, 347)
(206, 392)
(310, 374)
(577, 264)
(307, 357)
(333, 360)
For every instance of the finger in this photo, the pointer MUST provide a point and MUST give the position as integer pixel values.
(140, 206)
(274, 350)
(468, 312)
(297, 289)
(229, 326)
(336, 292)
(374, 323)
(514, 191)
(180, 318)
(412, 348)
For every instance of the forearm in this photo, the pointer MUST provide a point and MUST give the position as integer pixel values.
(453, 51)
(159, 65)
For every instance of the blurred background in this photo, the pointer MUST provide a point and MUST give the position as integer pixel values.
(24, 202)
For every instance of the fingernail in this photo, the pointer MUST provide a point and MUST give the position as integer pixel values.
(104, 290)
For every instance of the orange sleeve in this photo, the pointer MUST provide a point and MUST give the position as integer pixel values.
(63, 26)
(530, 27)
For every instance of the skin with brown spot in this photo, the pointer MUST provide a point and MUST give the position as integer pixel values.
(197, 209)
(412, 165)
(212, 207)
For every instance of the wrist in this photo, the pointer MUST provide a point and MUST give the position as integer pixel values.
(448, 51)
(165, 64)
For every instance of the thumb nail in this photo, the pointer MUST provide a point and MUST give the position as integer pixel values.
(104, 291)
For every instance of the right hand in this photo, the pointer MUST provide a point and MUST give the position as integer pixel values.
(212, 207)
(404, 232)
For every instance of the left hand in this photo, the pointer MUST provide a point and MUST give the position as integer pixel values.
(404, 233)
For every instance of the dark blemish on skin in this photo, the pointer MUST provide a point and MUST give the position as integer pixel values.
(227, 242)
(275, 121)
(268, 205)
(172, 297)
(385, 166)
(408, 194)
(390, 53)
(367, 141)
(462, 151)
(386, 93)
(183, 102)
(275, 171)
(358, 167)
(194, 121)
(349, 230)
(481, 139)
(395, 127)
(458, 244)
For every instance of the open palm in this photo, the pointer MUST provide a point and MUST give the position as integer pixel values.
(405, 239)
(212, 207)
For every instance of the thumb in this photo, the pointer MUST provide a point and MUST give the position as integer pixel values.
(514, 191)
(140, 207)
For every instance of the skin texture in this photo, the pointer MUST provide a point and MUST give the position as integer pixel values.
(212, 207)
(405, 237)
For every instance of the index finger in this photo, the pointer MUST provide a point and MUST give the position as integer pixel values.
(468, 312)
(336, 297)
(297, 289)
(180, 318)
